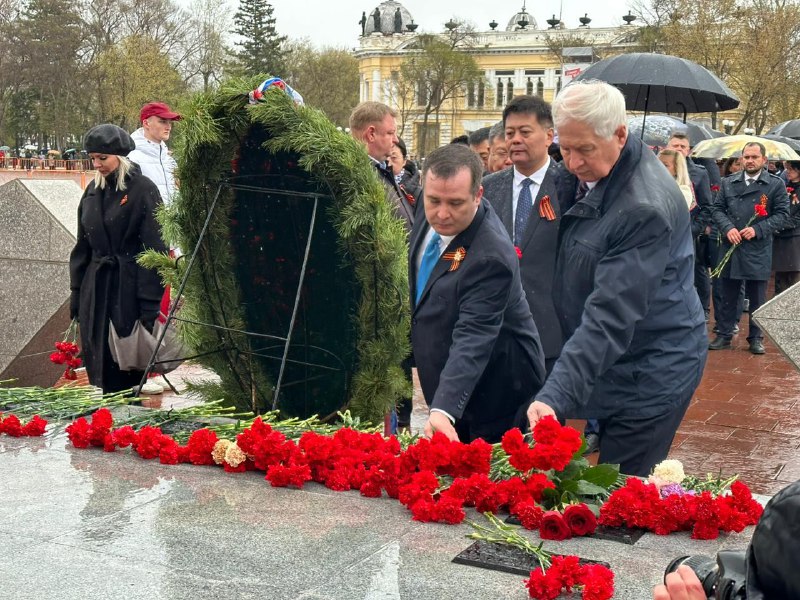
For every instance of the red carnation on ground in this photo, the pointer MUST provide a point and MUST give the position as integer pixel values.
(200, 445)
(554, 527)
(35, 427)
(78, 433)
(124, 436)
(148, 442)
(12, 426)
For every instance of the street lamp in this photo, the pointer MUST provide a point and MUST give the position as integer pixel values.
(728, 125)
(749, 131)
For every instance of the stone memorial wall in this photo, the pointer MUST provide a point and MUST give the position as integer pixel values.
(38, 225)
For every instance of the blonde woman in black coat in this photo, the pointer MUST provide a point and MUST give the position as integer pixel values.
(116, 223)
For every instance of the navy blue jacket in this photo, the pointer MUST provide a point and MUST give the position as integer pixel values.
(735, 206)
(474, 341)
(624, 288)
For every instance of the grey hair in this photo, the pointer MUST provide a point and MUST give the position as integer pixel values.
(596, 103)
(497, 129)
(125, 166)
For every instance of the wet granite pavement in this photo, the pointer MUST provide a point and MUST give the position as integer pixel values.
(86, 524)
(744, 418)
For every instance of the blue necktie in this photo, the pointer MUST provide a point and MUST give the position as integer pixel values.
(428, 262)
(524, 209)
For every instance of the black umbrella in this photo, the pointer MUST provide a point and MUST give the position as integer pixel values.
(787, 129)
(662, 83)
(793, 144)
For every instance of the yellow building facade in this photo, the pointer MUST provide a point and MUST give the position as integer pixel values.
(517, 57)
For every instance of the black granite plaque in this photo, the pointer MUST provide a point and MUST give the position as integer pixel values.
(501, 557)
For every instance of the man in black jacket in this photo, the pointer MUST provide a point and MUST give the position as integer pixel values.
(475, 344)
(375, 125)
(736, 213)
(624, 286)
(701, 185)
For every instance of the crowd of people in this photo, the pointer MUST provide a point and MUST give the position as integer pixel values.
(615, 246)
(567, 279)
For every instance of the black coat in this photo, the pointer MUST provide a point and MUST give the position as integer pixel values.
(404, 205)
(474, 341)
(114, 227)
(735, 206)
(538, 247)
(635, 334)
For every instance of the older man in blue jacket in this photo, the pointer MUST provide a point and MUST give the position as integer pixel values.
(624, 286)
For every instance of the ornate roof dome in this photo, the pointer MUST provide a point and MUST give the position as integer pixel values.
(392, 16)
(522, 16)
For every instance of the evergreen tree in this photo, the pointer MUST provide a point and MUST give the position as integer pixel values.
(261, 48)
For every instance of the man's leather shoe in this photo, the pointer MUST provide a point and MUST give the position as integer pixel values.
(757, 347)
(719, 343)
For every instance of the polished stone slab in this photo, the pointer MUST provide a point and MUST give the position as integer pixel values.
(113, 525)
(779, 317)
(38, 225)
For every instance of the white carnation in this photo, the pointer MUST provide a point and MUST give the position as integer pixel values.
(669, 471)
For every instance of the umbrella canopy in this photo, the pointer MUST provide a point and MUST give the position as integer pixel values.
(658, 128)
(662, 83)
(30, 147)
(5, 148)
(731, 145)
(793, 144)
(787, 129)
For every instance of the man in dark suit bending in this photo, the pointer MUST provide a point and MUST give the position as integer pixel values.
(475, 344)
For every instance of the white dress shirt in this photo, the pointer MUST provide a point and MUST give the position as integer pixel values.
(537, 177)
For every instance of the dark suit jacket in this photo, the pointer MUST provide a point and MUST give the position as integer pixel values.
(475, 344)
(539, 248)
(402, 203)
(702, 189)
(735, 206)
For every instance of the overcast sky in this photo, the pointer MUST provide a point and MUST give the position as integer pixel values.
(330, 23)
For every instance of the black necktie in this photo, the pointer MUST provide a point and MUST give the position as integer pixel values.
(750, 180)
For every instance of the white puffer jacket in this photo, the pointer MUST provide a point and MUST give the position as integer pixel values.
(156, 163)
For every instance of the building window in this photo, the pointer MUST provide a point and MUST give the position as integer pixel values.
(471, 95)
(499, 95)
(509, 90)
(540, 88)
(481, 93)
(529, 87)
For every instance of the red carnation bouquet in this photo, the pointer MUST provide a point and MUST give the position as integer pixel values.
(67, 352)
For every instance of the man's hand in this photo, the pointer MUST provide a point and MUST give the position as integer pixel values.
(734, 237)
(439, 422)
(538, 410)
(748, 233)
(681, 585)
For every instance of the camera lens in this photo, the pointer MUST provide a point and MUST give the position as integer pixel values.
(704, 567)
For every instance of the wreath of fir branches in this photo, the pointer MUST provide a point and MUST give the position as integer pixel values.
(371, 239)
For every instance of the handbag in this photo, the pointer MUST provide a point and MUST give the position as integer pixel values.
(133, 352)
